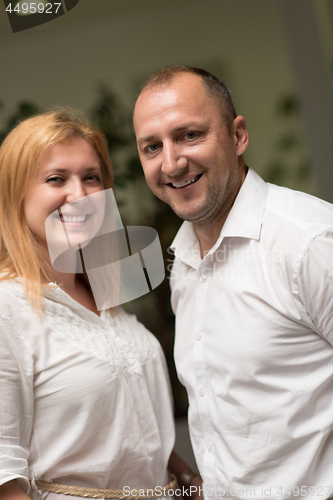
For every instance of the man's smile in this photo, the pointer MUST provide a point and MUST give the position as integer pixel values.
(185, 183)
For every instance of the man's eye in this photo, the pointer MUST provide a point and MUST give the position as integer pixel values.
(190, 135)
(152, 148)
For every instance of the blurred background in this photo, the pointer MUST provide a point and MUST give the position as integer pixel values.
(276, 57)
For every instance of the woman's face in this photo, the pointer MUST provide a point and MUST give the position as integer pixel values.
(68, 172)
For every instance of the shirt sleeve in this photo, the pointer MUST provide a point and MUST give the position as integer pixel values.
(16, 405)
(316, 284)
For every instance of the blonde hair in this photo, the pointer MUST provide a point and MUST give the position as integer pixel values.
(20, 155)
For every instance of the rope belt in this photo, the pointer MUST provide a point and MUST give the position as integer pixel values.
(100, 493)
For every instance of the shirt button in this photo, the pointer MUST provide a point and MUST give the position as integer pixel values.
(203, 278)
(199, 335)
(202, 391)
(209, 447)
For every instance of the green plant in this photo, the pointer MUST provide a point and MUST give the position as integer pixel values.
(290, 165)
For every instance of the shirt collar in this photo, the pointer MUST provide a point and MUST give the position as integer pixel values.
(244, 219)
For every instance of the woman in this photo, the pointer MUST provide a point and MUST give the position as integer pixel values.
(84, 397)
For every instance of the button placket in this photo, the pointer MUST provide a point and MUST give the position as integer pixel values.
(202, 392)
(199, 335)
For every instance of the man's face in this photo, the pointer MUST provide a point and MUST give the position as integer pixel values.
(189, 158)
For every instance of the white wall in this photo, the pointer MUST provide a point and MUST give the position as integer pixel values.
(121, 43)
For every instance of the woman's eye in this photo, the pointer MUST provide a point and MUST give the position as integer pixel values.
(93, 177)
(54, 179)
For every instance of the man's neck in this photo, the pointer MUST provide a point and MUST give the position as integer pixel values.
(208, 231)
(208, 234)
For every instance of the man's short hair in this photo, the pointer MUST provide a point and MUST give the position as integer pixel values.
(213, 87)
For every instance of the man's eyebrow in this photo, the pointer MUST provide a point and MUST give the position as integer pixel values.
(146, 139)
(189, 125)
(181, 128)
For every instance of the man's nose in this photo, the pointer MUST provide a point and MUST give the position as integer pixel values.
(173, 159)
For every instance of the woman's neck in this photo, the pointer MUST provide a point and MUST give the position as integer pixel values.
(72, 283)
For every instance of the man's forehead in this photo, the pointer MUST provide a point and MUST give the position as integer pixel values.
(184, 90)
(178, 81)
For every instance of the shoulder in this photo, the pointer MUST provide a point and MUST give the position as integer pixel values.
(13, 300)
(291, 221)
(17, 322)
(300, 227)
(299, 210)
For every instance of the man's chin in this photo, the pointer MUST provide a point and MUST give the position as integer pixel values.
(196, 213)
(194, 216)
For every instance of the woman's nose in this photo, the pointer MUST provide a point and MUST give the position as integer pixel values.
(76, 191)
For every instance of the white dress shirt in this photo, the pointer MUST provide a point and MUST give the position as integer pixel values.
(254, 335)
(84, 399)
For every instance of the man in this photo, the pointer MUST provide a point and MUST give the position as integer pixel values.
(252, 291)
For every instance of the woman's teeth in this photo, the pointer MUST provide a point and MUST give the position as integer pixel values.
(77, 218)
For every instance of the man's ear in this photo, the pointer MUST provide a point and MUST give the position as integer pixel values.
(240, 134)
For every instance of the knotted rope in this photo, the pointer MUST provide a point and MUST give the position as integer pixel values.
(101, 493)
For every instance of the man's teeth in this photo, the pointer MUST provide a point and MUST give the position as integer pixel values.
(185, 183)
(77, 218)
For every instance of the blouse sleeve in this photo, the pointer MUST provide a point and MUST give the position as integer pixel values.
(16, 404)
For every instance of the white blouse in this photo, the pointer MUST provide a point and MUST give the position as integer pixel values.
(84, 399)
